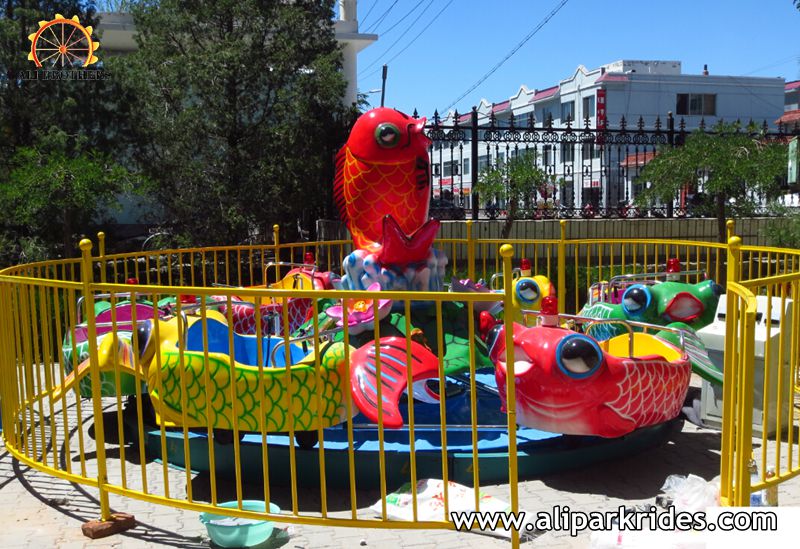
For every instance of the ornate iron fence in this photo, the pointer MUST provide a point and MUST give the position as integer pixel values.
(595, 171)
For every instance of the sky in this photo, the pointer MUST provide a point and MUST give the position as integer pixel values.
(438, 49)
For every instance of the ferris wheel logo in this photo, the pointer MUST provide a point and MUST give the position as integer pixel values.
(62, 43)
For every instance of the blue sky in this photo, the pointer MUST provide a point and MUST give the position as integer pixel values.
(469, 37)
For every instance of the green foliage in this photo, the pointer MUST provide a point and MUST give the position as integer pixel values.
(236, 112)
(55, 141)
(29, 108)
(517, 182)
(735, 168)
(784, 230)
(53, 191)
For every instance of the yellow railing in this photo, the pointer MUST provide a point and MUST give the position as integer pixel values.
(761, 362)
(41, 308)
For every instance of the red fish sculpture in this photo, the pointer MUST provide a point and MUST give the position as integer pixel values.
(566, 383)
(382, 186)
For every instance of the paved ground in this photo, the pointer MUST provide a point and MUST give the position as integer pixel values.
(39, 511)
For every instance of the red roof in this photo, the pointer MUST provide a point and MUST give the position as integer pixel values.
(789, 117)
(611, 77)
(792, 85)
(500, 107)
(638, 159)
(544, 94)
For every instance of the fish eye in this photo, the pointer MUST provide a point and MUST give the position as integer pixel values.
(578, 356)
(387, 135)
(636, 299)
(493, 337)
(144, 331)
(527, 291)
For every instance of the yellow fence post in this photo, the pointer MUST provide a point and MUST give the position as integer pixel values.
(507, 252)
(562, 267)
(8, 378)
(470, 252)
(737, 400)
(94, 368)
(101, 249)
(276, 240)
(734, 256)
(727, 467)
(730, 225)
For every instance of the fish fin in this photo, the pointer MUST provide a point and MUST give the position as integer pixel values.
(402, 249)
(394, 376)
(338, 184)
(612, 425)
(695, 349)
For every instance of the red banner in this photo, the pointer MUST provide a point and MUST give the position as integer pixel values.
(601, 114)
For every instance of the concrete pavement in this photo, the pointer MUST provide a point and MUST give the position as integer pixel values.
(37, 510)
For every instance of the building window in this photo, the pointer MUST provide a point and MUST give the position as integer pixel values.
(466, 166)
(567, 152)
(501, 157)
(547, 114)
(588, 106)
(447, 168)
(546, 155)
(521, 120)
(697, 104)
(590, 150)
(568, 110)
(483, 162)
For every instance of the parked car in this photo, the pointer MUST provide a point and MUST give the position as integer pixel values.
(445, 209)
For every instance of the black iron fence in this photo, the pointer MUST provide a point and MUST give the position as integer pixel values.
(594, 172)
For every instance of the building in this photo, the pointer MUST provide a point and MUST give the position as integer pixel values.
(627, 90)
(791, 115)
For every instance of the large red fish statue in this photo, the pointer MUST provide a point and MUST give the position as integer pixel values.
(382, 187)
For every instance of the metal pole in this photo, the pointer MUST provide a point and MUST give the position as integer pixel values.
(474, 162)
(383, 83)
(94, 368)
(507, 253)
(670, 143)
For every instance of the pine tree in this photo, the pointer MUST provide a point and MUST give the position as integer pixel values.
(53, 134)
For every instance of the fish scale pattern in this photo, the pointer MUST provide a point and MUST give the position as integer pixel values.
(652, 391)
(244, 317)
(372, 191)
(212, 399)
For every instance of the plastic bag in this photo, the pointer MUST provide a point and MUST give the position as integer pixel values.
(691, 493)
(430, 504)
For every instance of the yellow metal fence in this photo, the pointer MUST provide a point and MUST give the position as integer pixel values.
(45, 427)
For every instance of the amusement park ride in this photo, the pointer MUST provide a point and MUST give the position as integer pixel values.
(383, 374)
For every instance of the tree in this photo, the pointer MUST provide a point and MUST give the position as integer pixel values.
(516, 182)
(737, 170)
(53, 135)
(237, 112)
(30, 108)
(53, 191)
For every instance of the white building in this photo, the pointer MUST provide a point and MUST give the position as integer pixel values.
(626, 88)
